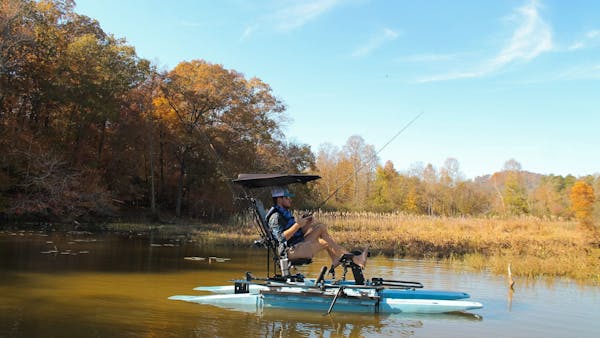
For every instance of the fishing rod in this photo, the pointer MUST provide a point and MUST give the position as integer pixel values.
(374, 157)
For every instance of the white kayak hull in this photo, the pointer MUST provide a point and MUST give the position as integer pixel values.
(349, 301)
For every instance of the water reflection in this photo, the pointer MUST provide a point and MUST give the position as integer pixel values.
(511, 291)
(287, 323)
(120, 288)
(291, 323)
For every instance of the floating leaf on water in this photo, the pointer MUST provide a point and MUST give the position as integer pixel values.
(222, 260)
(48, 252)
(194, 258)
(55, 250)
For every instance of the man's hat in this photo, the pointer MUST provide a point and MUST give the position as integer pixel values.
(280, 192)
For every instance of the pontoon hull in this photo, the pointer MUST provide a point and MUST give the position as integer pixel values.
(350, 300)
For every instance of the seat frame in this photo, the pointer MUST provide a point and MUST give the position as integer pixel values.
(274, 247)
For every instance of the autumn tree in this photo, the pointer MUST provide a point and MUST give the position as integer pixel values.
(596, 186)
(99, 74)
(450, 174)
(414, 201)
(326, 163)
(514, 194)
(62, 86)
(87, 127)
(77, 104)
(551, 197)
(582, 202)
(348, 174)
(385, 195)
(469, 199)
(363, 159)
(430, 179)
(336, 175)
(213, 113)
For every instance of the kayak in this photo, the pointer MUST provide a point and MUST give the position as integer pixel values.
(330, 296)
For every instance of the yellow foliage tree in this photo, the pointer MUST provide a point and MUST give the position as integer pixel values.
(582, 202)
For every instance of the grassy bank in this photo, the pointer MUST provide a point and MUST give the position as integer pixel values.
(533, 247)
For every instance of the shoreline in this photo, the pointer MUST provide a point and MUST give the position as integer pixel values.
(534, 248)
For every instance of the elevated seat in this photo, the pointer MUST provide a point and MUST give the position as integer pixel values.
(270, 241)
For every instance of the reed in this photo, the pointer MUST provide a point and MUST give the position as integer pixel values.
(534, 247)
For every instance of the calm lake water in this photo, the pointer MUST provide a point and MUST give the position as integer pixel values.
(117, 286)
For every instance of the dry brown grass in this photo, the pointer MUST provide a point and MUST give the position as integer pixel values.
(533, 246)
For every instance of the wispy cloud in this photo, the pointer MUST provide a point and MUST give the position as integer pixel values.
(591, 38)
(302, 12)
(582, 72)
(375, 42)
(451, 76)
(532, 37)
(248, 31)
(423, 58)
(290, 15)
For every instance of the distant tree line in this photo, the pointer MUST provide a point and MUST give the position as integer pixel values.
(427, 190)
(89, 130)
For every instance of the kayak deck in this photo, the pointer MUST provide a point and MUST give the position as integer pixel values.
(351, 298)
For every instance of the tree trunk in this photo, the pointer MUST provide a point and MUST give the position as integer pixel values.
(101, 142)
(152, 193)
(180, 186)
(161, 164)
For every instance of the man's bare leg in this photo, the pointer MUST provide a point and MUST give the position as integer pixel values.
(318, 232)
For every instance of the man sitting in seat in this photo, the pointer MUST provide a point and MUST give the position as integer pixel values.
(304, 236)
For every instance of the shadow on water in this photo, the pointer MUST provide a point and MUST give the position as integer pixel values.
(288, 323)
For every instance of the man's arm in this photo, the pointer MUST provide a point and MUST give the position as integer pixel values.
(285, 234)
(301, 223)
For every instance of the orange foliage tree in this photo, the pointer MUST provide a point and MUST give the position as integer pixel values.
(582, 202)
(215, 114)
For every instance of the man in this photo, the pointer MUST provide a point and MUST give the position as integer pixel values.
(304, 236)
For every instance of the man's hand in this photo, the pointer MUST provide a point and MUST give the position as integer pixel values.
(305, 220)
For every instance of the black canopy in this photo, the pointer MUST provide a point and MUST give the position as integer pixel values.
(268, 180)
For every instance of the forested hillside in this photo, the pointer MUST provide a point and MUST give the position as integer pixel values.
(89, 130)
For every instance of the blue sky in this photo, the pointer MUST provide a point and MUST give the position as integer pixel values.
(495, 79)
